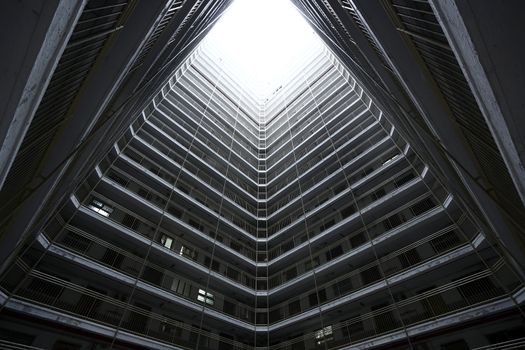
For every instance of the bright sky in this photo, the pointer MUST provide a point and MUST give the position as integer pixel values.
(263, 40)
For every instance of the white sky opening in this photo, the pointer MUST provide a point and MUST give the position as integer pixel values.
(262, 42)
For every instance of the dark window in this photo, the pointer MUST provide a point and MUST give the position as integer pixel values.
(322, 295)
(152, 275)
(130, 221)
(310, 264)
(346, 212)
(63, 345)
(327, 225)
(508, 334)
(275, 315)
(121, 181)
(286, 246)
(403, 180)
(378, 194)
(340, 188)
(174, 211)
(409, 258)
(76, 241)
(294, 307)
(312, 299)
(478, 290)
(356, 330)
(445, 241)
(370, 275)
(44, 291)
(143, 193)
(345, 285)
(16, 337)
(232, 273)
(262, 318)
(235, 246)
(334, 252)
(112, 258)
(393, 221)
(291, 273)
(385, 320)
(196, 225)
(422, 206)
(357, 240)
(455, 345)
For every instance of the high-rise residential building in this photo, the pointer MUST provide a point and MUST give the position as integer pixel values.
(370, 197)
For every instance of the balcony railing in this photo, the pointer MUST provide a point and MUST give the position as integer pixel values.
(207, 182)
(58, 294)
(463, 294)
(139, 225)
(134, 266)
(407, 213)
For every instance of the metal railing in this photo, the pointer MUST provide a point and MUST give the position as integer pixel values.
(120, 260)
(463, 294)
(57, 294)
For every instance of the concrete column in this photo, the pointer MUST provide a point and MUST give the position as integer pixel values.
(105, 79)
(33, 35)
(419, 85)
(487, 38)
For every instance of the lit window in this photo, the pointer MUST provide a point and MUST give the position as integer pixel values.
(100, 207)
(390, 159)
(205, 297)
(323, 335)
(166, 241)
(187, 252)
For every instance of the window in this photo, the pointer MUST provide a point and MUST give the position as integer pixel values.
(370, 275)
(291, 273)
(312, 299)
(181, 287)
(187, 252)
(334, 252)
(323, 335)
(196, 225)
(409, 258)
(232, 273)
(310, 264)
(394, 221)
(63, 345)
(378, 194)
(390, 159)
(357, 240)
(213, 264)
(100, 207)
(174, 211)
(206, 297)
(455, 345)
(445, 241)
(478, 290)
(166, 241)
(346, 212)
(327, 225)
(422, 206)
(294, 307)
(168, 326)
(229, 307)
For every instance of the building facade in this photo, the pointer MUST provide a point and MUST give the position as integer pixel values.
(313, 219)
